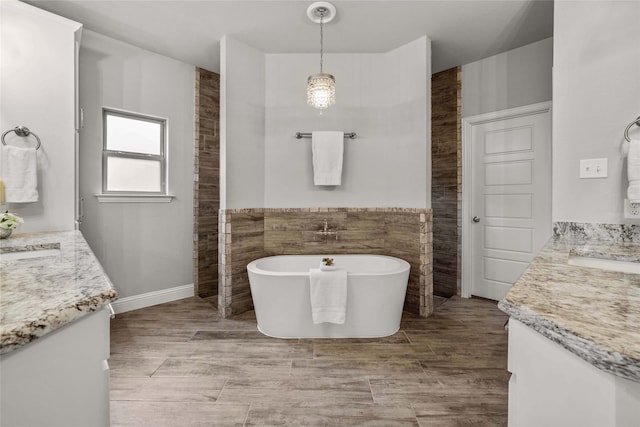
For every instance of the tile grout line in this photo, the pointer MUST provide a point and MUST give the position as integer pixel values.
(246, 417)
(221, 389)
(407, 337)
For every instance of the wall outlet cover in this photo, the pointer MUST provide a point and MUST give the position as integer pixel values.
(631, 210)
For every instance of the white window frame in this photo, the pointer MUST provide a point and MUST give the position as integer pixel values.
(134, 196)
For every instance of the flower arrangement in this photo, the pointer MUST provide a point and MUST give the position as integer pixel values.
(9, 221)
(327, 264)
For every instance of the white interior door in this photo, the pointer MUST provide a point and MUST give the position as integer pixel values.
(510, 201)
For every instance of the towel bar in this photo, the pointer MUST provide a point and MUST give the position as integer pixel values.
(626, 131)
(351, 135)
(21, 131)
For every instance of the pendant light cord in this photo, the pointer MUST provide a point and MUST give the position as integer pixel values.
(321, 39)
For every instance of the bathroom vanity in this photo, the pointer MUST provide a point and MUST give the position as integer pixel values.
(574, 336)
(54, 332)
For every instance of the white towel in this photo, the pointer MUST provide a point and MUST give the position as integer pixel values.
(633, 171)
(20, 174)
(327, 149)
(328, 295)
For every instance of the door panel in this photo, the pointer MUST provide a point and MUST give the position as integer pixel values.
(508, 173)
(503, 270)
(508, 238)
(508, 205)
(508, 140)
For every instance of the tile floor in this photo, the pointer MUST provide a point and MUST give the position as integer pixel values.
(179, 364)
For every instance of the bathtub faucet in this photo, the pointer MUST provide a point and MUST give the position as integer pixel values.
(325, 231)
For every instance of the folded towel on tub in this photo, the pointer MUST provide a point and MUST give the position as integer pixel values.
(328, 295)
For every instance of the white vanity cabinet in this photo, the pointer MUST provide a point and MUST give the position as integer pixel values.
(551, 386)
(61, 379)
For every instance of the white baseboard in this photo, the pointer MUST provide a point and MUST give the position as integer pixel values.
(135, 302)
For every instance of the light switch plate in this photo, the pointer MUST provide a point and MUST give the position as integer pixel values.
(593, 168)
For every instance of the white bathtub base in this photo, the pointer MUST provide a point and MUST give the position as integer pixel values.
(327, 335)
(376, 291)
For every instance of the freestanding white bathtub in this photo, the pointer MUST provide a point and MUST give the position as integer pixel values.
(376, 288)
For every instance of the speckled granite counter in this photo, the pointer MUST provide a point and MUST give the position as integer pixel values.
(39, 295)
(593, 313)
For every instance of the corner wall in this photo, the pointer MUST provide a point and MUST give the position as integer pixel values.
(383, 98)
(596, 89)
(511, 79)
(37, 87)
(143, 247)
(242, 125)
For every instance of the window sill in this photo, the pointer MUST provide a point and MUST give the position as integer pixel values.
(134, 198)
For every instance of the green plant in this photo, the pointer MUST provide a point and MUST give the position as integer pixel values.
(327, 261)
(9, 221)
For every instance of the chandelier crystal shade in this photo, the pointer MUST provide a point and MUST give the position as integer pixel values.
(321, 87)
(321, 90)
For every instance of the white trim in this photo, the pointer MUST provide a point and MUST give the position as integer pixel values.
(134, 198)
(136, 302)
(467, 125)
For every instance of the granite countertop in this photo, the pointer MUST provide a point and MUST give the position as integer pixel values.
(591, 312)
(44, 293)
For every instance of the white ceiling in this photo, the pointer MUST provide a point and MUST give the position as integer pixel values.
(190, 31)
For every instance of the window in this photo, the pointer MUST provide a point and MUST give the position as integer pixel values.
(133, 156)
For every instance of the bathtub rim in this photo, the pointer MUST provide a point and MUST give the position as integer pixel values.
(403, 265)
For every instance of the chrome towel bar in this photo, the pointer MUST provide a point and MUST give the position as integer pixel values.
(351, 135)
(22, 131)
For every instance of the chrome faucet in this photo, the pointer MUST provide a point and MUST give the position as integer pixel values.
(325, 231)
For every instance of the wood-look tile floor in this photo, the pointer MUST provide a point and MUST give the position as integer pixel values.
(179, 364)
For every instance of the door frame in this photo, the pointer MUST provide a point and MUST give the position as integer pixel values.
(467, 195)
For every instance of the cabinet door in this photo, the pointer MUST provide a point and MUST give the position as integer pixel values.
(59, 379)
(551, 386)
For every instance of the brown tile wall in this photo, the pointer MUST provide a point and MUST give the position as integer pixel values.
(446, 180)
(253, 233)
(206, 183)
(241, 240)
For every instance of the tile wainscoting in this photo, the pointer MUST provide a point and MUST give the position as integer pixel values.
(248, 234)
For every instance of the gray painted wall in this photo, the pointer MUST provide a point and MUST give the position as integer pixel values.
(38, 92)
(263, 104)
(596, 94)
(143, 247)
(242, 124)
(511, 79)
(383, 98)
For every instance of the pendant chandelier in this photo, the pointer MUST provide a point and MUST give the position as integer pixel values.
(321, 87)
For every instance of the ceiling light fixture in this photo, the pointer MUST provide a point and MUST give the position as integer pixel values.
(321, 87)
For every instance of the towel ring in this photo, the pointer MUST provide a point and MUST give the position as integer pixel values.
(626, 131)
(24, 132)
